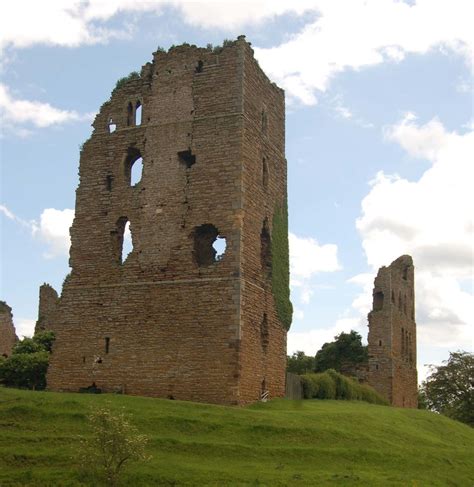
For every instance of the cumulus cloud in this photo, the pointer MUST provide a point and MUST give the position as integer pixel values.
(307, 259)
(24, 327)
(52, 228)
(431, 219)
(17, 111)
(360, 33)
(73, 22)
(311, 341)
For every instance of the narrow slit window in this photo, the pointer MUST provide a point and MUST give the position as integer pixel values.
(107, 344)
(266, 249)
(264, 173)
(112, 126)
(129, 114)
(138, 113)
(108, 182)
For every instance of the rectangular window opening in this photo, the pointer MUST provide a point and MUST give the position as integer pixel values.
(107, 344)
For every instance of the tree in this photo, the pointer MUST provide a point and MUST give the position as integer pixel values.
(114, 444)
(27, 366)
(346, 349)
(449, 389)
(299, 363)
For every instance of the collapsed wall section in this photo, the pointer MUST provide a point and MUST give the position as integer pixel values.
(8, 336)
(48, 302)
(392, 334)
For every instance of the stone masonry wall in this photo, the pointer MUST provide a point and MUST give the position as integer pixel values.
(171, 319)
(8, 336)
(392, 334)
(48, 301)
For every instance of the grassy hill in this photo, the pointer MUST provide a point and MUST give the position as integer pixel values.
(278, 443)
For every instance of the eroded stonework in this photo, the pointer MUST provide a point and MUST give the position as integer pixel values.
(177, 318)
(48, 302)
(392, 334)
(8, 336)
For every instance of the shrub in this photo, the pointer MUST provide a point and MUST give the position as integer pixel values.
(25, 370)
(332, 385)
(114, 443)
(27, 366)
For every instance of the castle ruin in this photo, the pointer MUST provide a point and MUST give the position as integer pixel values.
(8, 336)
(392, 334)
(186, 155)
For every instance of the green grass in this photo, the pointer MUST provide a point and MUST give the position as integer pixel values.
(282, 442)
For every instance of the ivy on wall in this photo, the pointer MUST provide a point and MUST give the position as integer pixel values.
(281, 265)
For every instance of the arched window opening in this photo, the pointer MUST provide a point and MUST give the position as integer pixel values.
(112, 126)
(264, 333)
(266, 249)
(264, 173)
(129, 114)
(209, 245)
(122, 240)
(377, 301)
(138, 113)
(380, 343)
(133, 166)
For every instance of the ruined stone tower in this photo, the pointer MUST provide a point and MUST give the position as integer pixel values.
(48, 301)
(175, 318)
(392, 334)
(8, 336)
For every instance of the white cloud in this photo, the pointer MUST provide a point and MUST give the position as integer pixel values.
(361, 33)
(24, 327)
(73, 23)
(311, 341)
(52, 228)
(431, 219)
(17, 112)
(307, 259)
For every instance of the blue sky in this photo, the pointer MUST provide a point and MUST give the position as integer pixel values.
(380, 143)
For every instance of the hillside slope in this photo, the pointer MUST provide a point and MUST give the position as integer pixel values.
(277, 443)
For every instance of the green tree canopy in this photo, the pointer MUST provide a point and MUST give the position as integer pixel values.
(449, 389)
(299, 363)
(27, 366)
(346, 349)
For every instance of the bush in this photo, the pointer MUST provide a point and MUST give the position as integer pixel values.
(114, 443)
(27, 366)
(332, 385)
(25, 370)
